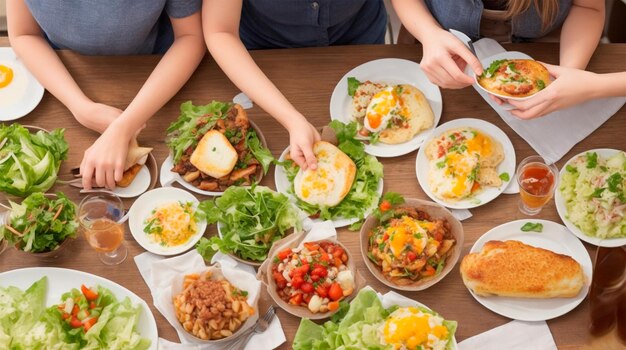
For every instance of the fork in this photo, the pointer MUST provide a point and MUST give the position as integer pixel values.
(262, 324)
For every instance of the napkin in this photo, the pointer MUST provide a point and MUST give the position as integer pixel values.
(160, 274)
(515, 335)
(319, 231)
(553, 135)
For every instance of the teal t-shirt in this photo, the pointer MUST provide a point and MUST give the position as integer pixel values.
(110, 27)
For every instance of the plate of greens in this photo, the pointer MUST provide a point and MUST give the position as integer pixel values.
(591, 198)
(29, 162)
(54, 308)
(375, 321)
(249, 221)
(41, 223)
(362, 197)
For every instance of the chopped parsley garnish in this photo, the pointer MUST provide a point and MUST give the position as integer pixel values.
(532, 226)
(353, 84)
(505, 177)
(540, 84)
(592, 160)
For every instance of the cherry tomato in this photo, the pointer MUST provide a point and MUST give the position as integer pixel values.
(411, 256)
(321, 291)
(284, 254)
(92, 305)
(301, 271)
(385, 205)
(335, 292)
(296, 282)
(315, 278)
(311, 246)
(306, 287)
(319, 271)
(438, 236)
(88, 293)
(296, 299)
(75, 322)
(90, 322)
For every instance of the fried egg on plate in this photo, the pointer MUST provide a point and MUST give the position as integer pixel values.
(13, 83)
(407, 328)
(331, 181)
(406, 232)
(382, 108)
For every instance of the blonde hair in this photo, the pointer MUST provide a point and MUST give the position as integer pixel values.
(547, 10)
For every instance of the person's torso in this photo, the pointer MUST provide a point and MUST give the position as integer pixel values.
(302, 23)
(93, 27)
(465, 16)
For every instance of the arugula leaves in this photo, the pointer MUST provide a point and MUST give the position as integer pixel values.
(251, 220)
(353, 84)
(493, 67)
(40, 224)
(532, 226)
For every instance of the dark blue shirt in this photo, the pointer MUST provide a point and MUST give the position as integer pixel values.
(111, 27)
(304, 23)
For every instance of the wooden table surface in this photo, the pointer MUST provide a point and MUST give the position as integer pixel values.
(307, 77)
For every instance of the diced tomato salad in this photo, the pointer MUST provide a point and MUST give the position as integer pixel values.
(315, 276)
(81, 309)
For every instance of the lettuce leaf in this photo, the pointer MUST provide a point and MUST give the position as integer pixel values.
(251, 218)
(30, 163)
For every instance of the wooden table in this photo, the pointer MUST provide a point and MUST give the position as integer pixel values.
(307, 77)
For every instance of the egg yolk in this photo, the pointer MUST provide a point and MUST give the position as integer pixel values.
(386, 101)
(403, 234)
(319, 182)
(411, 330)
(6, 76)
(461, 165)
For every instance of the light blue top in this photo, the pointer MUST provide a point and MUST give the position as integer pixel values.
(268, 24)
(110, 27)
(465, 15)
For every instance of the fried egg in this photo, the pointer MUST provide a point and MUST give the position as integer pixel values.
(408, 231)
(331, 181)
(409, 328)
(13, 83)
(382, 108)
(453, 172)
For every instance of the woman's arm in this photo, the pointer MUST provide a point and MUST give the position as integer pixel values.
(105, 158)
(32, 48)
(581, 33)
(444, 56)
(220, 20)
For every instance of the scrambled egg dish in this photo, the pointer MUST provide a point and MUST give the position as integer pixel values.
(461, 162)
(410, 328)
(171, 224)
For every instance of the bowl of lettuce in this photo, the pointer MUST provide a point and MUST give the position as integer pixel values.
(250, 220)
(381, 322)
(591, 198)
(42, 224)
(366, 189)
(30, 161)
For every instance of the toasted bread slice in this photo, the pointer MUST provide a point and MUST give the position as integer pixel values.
(514, 269)
(329, 184)
(214, 155)
(136, 155)
(420, 117)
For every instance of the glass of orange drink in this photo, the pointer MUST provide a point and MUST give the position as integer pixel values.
(101, 220)
(537, 181)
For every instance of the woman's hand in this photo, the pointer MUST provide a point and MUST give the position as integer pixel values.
(105, 159)
(445, 58)
(302, 136)
(96, 116)
(571, 87)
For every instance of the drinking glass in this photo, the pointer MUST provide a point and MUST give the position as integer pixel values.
(101, 219)
(537, 182)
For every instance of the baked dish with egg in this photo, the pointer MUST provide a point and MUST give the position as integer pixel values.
(171, 224)
(514, 78)
(391, 114)
(461, 162)
(216, 146)
(410, 245)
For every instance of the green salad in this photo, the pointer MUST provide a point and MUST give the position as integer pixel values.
(366, 324)
(594, 190)
(95, 320)
(40, 224)
(251, 219)
(363, 194)
(29, 162)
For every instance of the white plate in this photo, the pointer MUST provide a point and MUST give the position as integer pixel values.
(562, 209)
(555, 237)
(487, 194)
(142, 209)
(63, 280)
(283, 185)
(511, 55)
(139, 185)
(23, 94)
(389, 71)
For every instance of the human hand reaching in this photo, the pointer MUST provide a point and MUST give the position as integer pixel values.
(302, 136)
